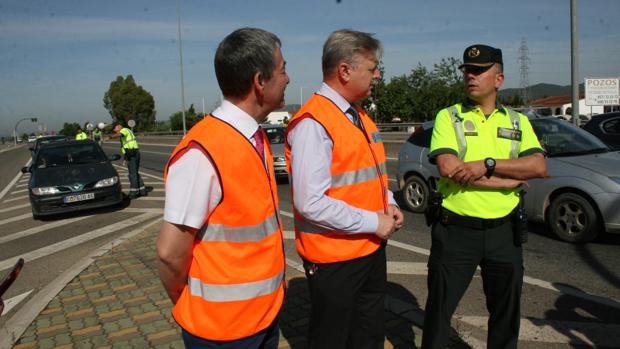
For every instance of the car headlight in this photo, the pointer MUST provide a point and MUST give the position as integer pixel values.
(615, 179)
(45, 191)
(108, 182)
(279, 159)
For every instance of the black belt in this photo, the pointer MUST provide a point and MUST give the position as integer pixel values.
(448, 217)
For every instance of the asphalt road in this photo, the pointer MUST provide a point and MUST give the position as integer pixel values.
(571, 294)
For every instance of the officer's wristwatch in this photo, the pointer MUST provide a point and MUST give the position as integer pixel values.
(489, 163)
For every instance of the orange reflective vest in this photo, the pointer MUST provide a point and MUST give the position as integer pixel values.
(358, 177)
(235, 285)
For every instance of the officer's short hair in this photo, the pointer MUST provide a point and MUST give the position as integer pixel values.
(347, 45)
(241, 55)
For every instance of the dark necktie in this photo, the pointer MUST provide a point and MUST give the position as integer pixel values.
(258, 139)
(356, 117)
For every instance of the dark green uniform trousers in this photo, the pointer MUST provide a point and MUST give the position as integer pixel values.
(136, 185)
(456, 251)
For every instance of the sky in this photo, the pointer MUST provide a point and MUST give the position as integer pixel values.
(58, 57)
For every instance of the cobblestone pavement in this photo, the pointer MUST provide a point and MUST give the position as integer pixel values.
(119, 302)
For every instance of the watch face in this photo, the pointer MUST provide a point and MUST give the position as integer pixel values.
(490, 162)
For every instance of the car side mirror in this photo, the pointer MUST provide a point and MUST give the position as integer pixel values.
(25, 169)
(115, 157)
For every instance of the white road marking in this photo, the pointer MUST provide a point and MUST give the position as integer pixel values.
(123, 182)
(15, 218)
(151, 198)
(407, 268)
(12, 182)
(12, 302)
(562, 332)
(14, 207)
(391, 180)
(59, 246)
(21, 185)
(526, 279)
(16, 198)
(41, 228)
(19, 191)
(391, 159)
(140, 172)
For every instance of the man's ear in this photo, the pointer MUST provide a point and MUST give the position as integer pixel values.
(344, 71)
(258, 82)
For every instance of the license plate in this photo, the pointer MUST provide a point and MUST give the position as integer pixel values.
(79, 197)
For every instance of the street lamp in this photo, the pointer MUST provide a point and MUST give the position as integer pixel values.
(181, 65)
(15, 129)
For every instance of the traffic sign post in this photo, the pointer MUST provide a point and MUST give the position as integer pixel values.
(603, 91)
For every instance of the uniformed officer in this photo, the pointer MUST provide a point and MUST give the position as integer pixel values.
(81, 135)
(131, 153)
(484, 152)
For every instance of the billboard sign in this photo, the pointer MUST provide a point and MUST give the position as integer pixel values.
(604, 91)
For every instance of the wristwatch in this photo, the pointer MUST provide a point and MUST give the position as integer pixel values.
(489, 163)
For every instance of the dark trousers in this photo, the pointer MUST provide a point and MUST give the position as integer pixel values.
(136, 185)
(266, 339)
(347, 303)
(455, 253)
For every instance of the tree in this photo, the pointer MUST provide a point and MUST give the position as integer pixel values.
(421, 94)
(69, 129)
(191, 118)
(126, 100)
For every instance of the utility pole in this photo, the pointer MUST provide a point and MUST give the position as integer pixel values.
(574, 62)
(524, 69)
(181, 66)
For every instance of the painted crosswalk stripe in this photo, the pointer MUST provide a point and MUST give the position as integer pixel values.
(41, 228)
(15, 219)
(18, 191)
(14, 208)
(21, 185)
(12, 182)
(16, 198)
(59, 246)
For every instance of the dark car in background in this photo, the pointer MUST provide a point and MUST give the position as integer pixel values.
(70, 176)
(579, 199)
(276, 134)
(606, 127)
(46, 140)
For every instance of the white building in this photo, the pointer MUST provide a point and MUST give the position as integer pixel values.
(277, 117)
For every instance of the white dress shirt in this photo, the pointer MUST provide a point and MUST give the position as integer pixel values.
(192, 187)
(311, 158)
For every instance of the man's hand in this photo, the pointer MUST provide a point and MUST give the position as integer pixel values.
(468, 172)
(387, 226)
(394, 212)
(124, 162)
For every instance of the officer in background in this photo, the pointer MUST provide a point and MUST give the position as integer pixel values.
(131, 154)
(81, 135)
(97, 135)
(220, 248)
(343, 209)
(485, 153)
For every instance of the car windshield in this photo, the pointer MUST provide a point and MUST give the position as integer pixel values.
(275, 134)
(560, 138)
(69, 155)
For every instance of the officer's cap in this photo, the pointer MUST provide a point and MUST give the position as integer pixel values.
(481, 56)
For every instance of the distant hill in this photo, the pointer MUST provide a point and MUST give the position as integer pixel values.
(541, 90)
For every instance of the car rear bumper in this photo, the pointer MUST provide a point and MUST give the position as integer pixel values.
(50, 205)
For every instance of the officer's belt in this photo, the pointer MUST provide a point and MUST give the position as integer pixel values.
(448, 217)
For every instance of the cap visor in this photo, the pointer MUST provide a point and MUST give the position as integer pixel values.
(485, 65)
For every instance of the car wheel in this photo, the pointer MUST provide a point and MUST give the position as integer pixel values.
(573, 219)
(415, 193)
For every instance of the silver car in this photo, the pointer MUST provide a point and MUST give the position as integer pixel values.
(579, 200)
(275, 134)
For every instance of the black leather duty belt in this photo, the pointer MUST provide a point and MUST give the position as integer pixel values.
(448, 217)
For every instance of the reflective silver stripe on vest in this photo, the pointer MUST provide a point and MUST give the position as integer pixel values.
(358, 176)
(234, 292)
(515, 121)
(306, 227)
(457, 123)
(248, 233)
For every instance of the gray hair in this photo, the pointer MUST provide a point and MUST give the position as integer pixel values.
(241, 55)
(347, 45)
